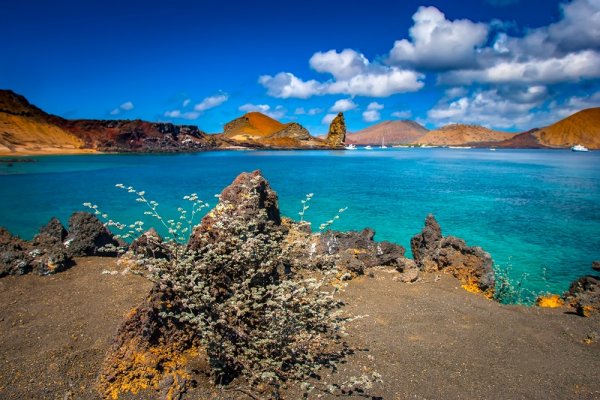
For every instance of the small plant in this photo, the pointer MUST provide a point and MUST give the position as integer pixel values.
(305, 205)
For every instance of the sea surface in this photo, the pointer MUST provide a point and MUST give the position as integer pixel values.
(537, 212)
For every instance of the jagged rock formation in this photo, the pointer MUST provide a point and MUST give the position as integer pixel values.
(584, 293)
(294, 131)
(88, 236)
(434, 252)
(358, 250)
(44, 255)
(337, 131)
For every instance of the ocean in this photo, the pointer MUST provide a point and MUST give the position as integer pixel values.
(537, 212)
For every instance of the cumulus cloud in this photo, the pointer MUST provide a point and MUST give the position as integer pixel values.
(191, 115)
(127, 106)
(328, 118)
(565, 51)
(569, 68)
(343, 105)
(404, 114)
(352, 74)
(372, 113)
(507, 108)
(310, 111)
(437, 43)
(276, 113)
(211, 102)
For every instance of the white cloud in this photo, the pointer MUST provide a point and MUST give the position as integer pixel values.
(352, 74)
(499, 108)
(570, 68)
(211, 102)
(328, 118)
(311, 111)
(438, 43)
(276, 113)
(343, 105)
(186, 102)
(127, 106)
(372, 114)
(343, 65)
(191, 115)
(579, 27)
(402, 114)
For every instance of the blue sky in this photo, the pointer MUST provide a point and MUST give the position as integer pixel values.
(506, 64)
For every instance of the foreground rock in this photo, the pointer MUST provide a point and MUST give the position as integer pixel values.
(44, 255)
(89, 237)
(358, 250)
(434, 252)
(584, 294)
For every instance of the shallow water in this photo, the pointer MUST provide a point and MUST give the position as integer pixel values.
(536, 211)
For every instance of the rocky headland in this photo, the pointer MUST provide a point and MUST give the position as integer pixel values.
(435, 312)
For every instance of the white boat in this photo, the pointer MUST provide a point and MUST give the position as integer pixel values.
(492, 149)
(459, 147)
(383, 146)
(579, 147)
(368, 148)
(350, 147)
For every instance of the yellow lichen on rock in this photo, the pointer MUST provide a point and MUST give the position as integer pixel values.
(550, 301)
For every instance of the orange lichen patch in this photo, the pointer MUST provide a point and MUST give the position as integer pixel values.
(550, 301)
(472, 286)
(586, 311)
(146, 369)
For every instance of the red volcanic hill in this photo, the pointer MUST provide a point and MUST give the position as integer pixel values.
(391, 132)
(460, 135)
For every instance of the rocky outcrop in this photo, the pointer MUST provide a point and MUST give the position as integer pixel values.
(293, 131)
(249, 202)
(88, 236)
(358, 250)
(337, 131)
(44, 255)
(584, 294)
(471, 265)
(150, 244)
(150, 351)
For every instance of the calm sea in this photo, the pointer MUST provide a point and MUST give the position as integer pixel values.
(536, 211)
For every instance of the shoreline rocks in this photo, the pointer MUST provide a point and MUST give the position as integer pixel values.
(471, 265)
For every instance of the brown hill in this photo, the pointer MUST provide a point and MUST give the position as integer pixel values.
(582, 127)
(258, 130)
(393, 132)
(460, 135)
(26, 129)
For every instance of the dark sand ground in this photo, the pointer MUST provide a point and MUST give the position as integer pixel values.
(429, 340)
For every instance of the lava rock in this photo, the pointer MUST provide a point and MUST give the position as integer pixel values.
(150, 244)
(249, 201)
(425, 245)
(584, 295)
(87, 236)
(434, 252)
(55, 229)
(14, 258)
(596, 266)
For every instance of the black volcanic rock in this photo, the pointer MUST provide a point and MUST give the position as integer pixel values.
(14, 259)
(433, 252)
(150, 244)
(249, 201)
(358, 250)
(584, 295)
(87, 236)
(55, 229)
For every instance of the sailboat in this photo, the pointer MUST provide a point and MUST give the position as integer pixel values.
(383, 146)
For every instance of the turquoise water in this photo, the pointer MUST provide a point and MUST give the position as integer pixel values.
(537, 211)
